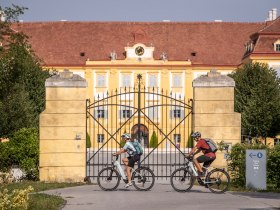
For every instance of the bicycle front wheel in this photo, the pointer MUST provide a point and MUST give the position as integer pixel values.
(143, 179)
(218, 180)
(182, 180)
(108, 179)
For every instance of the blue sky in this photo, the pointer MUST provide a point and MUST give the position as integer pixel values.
(145, 10)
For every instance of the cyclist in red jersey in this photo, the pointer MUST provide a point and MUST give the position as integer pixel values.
(208, 156)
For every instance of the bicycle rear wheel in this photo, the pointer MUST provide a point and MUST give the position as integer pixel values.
(218, 180)
(182, 180)
(108, 179)
(143, 179)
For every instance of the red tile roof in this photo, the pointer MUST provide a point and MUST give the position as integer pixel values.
(215, 43)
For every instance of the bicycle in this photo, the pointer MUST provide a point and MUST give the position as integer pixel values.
(108, 179)
(216, 180)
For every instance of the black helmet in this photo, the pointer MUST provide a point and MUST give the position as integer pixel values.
(196, 134)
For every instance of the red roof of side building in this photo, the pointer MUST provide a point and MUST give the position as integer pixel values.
(265, 38)
(215, 43)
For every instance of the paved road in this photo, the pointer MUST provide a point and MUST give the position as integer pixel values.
(163, 197)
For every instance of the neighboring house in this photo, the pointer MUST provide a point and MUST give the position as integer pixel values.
(169, 55)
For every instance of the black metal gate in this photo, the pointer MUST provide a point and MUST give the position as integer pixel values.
(159, 120)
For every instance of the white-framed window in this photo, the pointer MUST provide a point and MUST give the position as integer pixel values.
(153, 112)
(100, 138)
(100, 80)
(125, 113)
(177, 80)
(176, 112)
(277, 69)
(277, 46)
(177, 138)
(100, 113)
(153, 80)
(125, 80)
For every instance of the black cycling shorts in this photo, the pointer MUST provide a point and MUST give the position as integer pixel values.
(132, 160)
(205, 160)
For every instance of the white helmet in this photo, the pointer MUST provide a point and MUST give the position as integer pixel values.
(126, 136)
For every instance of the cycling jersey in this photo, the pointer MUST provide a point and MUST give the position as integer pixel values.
(129, 149)
(201, 144)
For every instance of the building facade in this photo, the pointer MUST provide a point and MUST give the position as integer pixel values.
(169, 56)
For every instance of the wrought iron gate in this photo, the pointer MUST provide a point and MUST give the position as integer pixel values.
(159, 120)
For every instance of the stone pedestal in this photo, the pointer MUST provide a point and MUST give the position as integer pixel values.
(213, 110)
(63, 129)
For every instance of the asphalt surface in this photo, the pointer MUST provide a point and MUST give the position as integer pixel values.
(163, 197)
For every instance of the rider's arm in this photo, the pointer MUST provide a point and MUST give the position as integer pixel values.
(194, 151)
(122, 150)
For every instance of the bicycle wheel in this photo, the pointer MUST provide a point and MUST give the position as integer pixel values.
(143, 179)
(217, 180)
(182, 180)
(108, 179)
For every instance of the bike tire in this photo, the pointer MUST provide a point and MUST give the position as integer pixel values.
(220, 179)
(145, 181)
(108, 176)
(179, 176)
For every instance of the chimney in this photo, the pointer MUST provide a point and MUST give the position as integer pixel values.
(274, 13)
(269, 15)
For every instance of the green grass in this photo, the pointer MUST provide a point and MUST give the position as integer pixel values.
(38, 186)
(41, 200)
(44, 201)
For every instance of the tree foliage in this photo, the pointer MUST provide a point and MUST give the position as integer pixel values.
(154, 140)
(257, 98)
(22, 150)
(22, 90)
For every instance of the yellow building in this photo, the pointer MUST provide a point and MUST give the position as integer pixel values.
(167, 55)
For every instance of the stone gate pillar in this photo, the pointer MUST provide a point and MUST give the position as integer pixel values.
(63, 129)
(213, 110)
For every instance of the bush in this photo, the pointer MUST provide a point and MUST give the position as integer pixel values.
(237, 164)
(190, 141)
(273, 165)
(154, 140)
(88, 142)
(22, 150)
(17, 199)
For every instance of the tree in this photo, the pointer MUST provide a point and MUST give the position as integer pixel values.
(22, 89)
(257, 98)
(154, 140)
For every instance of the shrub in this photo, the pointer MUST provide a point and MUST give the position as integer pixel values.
(273, 165)
(190, 141)
(237, 162)
(22, 150)
(88, 142)
(17, 199)
(154, 140)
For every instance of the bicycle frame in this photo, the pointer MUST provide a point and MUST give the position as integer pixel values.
(190, 165)
(119, 168)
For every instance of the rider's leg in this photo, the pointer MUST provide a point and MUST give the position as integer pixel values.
(128, 171)
(198, 166)
(125, 162)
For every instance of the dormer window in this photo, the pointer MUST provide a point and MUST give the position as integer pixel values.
(277, 46)
(249, 47)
